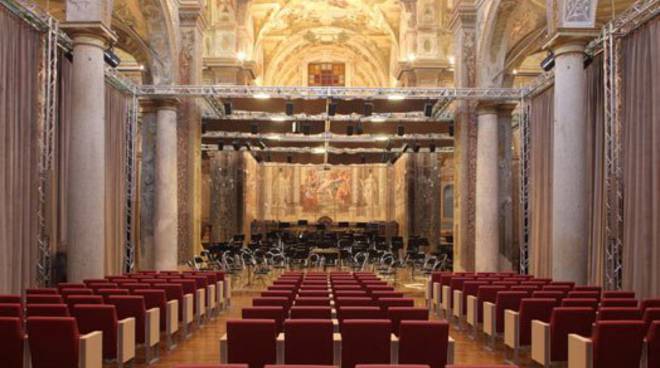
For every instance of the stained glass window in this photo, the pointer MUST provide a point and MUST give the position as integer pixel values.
(326, 74)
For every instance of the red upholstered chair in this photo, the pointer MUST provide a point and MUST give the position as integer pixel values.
(47, 291)
(354, 302)
(284, 294)
(276, 313)
(72, 300)
(550, 340)
(613, 344)
(365, 342)
(71, 285)
(545, 294)
(653, 345)
(576, 294)
(212, 366)
(570, 284)
(172, 292)
(11, 299)
(386, 294)
(470, 288)
(385, 303)
(107, 292)
(271, 302)
(298, 312)
(94, 281)
(69, 291)
(147, 321)
(11, 310)
(398, 314)
(43, 299)
(475, 304)
(650, 315)
(116, 333)
(588, 288)
(518, 325)
(619, 302)
(618, 295)
(494, 312)
(649, 303)
(619, 314)
(371, 288)
(102, 285)
(312, 301)
(168, 310)
(47, 310)
(12, 340)
(308, 341)
(56, 343)
(249, 341)
(482, 366)
(314, 293)
(579, 302)
(134, 285)
(425, 342)
(351, 293)
(563, 288)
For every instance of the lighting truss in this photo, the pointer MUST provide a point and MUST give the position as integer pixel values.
(327, 137)
(525, 177)
(336, 93)
(415, 116)
(540, 83)
(332, 150)
(131, 183)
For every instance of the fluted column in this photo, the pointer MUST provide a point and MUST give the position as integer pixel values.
(487, 226)
(569, 172)
(86, 184)
(165, 218)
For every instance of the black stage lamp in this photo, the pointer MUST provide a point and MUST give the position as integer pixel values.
(400, 130)
(428, 110)
(289, 108)
(111, 58)
(254, 128)
(549, 62)
(332, 109)
(368, 108)
(228, 108)
(349, 130)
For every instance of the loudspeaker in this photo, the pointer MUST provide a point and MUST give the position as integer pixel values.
(359, 129)
(400, 130)
(228, 108)
(363, 159)
(451, 129)
(349, 130)
(428, 110)
(368, 108)
(289, 159)
(254, 129)
(306, 129)
(432, 148)
(289, 108)
(332, 109)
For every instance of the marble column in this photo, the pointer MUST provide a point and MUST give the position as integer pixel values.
(487, 225)
(147, 177)
(569, 172)
(505, 189)
(86, 190)
(165, 217)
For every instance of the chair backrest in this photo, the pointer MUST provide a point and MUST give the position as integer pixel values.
(386, 294)
(569, 284)
(308, 341)
(72, 300)
(43, 299)
(276, 313)
(189, 286)
(313, 301)
(47, 310)
(650, 315)
(76, 291)
(588, 288)
(619, 302)
(314, 293)
(47, 291)
(137, 285)
(365, 342)
(11, 310)
(399, 314)
(131, 306)
(102, 285)
(507, 300)
(619, 314)
(310, 312)
(94, 281)
(617, 294)
(395, 302)
(579, 302)
(107, 292)
(549, 294)
(649, 303)
(71, 285)
(358, 312)
(271, 301)
(565, 321)
(424, 342)
(529, 289)
(354, 302)
(11, 299)
(563, 288)
(653, 344)
(99, 317)
(172, 291)
(155, 298)
(531, 309)
(576, 294)
(251, 341)
(53, 341)
(12, 340)
(617, 343)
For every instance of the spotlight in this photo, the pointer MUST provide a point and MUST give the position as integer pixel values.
(349, 130)
(332, 109)
(359, 129)
(261, 96)
(416, 148)
(396, 97)
(289, 108)
(378, 119)
(400, 130)
(451, 129)
(549, 62)
(289, 159)
(237, 145)
(428, 110)
(432, 147)
(368, 108)
(306, 129)
(363, 159)
(228, 108)
(262, 144)
(278, 118)
(254, 129)
(111, 58)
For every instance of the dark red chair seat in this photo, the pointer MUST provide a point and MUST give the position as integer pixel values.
(356, 312)
(617, 344)
(11, 310)
(271, 302)
(619, 314)
(579, 302)
(653, 344)
(617, 294)
(385, 303)
(531, 309)
(365, 342)
(172, 292)
(10, 299)
(128, 306)
(486, 293)
(619, 302)
(397, 315)
(311, 312)
(565, 321)
(424, 342)
(251, 342)
(54, 342)
(506, 300)
(155, 298)
(103, 317)
(12, 341)
(43, 299)
(72, 300)
(354, 302)
(47, 291)
(308, 341)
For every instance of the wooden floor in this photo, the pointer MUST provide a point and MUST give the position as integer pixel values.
(203, 345)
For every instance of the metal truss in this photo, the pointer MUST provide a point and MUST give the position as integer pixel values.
(322, 150)
(415, 116)
(131, 183)
(540, 83)
(636, 15)
(336, 93)
(525, 214)
(327, 137)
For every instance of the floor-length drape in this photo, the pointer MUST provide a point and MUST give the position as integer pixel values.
(641, 159)
(541, 141)
(116, 113)
(20, 48)
(596, 171)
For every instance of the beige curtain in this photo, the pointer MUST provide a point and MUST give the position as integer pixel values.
(20, 48)
(641, 159)
(116, 112)
(542, 115)
(596, 171)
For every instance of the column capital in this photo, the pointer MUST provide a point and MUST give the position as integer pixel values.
(148, 105)
(169, 103)
(570, 41)
(487, 107)
(90, 33)
(506, 108)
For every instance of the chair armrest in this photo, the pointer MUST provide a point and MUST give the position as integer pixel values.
(188, 312)
(91, 350)
(279, 348)
(126, 340)
(511, 329)
(335, 325)
(200, 295)
(437, 294)
(428, 292)
(220, 292)
(26, 352)
(458, 303)
(152, 327)
(227, 290)
(472, 316)
(446, 298)
(210, 296)
(451, 345)
(580, 354)
(541, 342)
(172, 317)
(394, 349)
(336, 349)
(223, 350)
(490, 319)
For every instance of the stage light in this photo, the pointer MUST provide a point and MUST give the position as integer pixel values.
(306, 129)
(289, 108)
(278, 118)
(254, 128)
(332, 109)
(412, 57)
(228, 108)
(428, 110)
(432, 147)
(549, 62)
(359, 129)
(111, 58)
(368, 108)
(515, 71)
(400, 130)
(236, 145)
(318, 150)
(396, 97)
(382, 138)
(261, 96)
(349, 130)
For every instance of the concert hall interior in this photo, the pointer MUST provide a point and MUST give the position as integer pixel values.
(329, 183)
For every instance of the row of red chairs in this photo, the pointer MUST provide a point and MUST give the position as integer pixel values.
(332, 366)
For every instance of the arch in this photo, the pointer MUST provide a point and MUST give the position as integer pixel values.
(162, 36)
